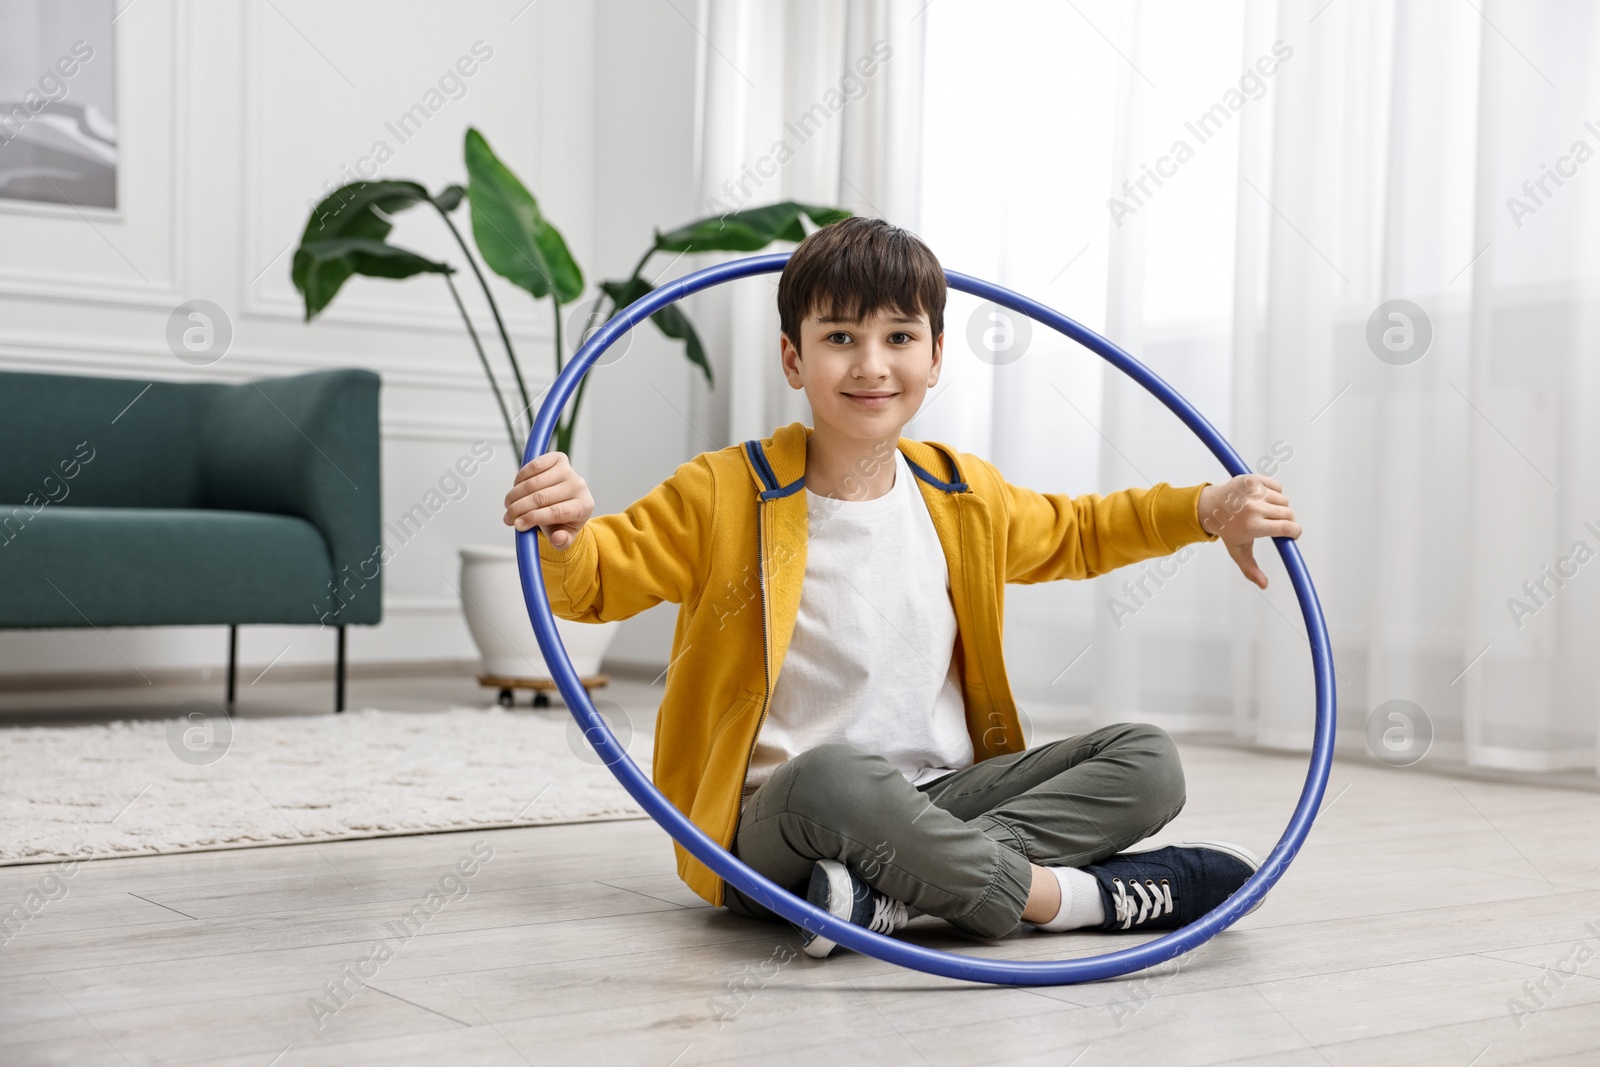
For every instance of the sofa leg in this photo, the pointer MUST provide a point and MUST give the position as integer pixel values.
(338, 676)
(233, 662)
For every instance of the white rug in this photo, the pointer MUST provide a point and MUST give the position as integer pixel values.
(157, 786)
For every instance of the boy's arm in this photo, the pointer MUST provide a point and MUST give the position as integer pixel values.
(1054, 535)
(656, 549)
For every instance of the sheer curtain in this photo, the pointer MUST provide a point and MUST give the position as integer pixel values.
(1036, 113)
(1446, 471)
(1239, 196)
(818, 102)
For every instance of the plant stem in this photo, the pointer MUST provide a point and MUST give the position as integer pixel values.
(527, 403)
(563, 433)
(494, 387)
(577, 400)
(556, 305)
(637, 267)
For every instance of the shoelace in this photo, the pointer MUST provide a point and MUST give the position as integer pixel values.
(1152, 903)
(888, 914)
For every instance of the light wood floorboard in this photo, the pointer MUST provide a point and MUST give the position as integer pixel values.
(1404, 934)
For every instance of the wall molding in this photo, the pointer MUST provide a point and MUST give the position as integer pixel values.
(348, 312)
(125, 359)
(167, 294)
(128, 364)
(410, 428)
(421, 604)
(530, 324)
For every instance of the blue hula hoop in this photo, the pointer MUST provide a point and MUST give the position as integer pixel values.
(778, 899)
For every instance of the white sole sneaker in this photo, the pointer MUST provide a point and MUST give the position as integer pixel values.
(1238, 852)
(831, 890)
(844, 895)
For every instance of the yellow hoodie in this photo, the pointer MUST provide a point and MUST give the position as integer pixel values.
(725, 537)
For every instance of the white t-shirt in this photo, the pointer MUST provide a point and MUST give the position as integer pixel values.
(872, 658)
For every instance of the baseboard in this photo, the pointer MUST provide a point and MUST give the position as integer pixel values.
(1351, 749)
(55, 681)
(300, 672)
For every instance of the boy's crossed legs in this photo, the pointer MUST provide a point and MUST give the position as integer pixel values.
(966, 847)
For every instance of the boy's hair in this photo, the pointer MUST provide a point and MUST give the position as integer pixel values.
(858, 266)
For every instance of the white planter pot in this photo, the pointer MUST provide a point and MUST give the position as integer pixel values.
(497, 615)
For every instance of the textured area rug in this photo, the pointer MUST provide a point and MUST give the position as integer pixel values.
(206, 781)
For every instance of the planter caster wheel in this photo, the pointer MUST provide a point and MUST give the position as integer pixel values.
(507, 687)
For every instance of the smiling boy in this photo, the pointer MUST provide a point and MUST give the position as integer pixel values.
(837, 711)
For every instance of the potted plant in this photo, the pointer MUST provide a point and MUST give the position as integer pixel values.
(347, 234)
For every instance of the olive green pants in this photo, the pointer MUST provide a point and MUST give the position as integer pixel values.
(959, 847)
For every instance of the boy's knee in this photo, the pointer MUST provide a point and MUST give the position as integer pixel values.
(822, 764)
(833, 781)
(1162, 778)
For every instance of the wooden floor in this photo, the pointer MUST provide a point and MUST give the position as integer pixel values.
(1414, 928)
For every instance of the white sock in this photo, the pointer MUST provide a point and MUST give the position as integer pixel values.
(1080, 901)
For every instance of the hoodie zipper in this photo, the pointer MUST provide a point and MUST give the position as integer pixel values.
(766, 663)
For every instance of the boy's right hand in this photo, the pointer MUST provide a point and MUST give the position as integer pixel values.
(549, 493)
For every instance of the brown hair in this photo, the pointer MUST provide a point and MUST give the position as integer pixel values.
(855, 267)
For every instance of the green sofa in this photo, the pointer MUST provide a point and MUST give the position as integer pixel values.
(125, 502)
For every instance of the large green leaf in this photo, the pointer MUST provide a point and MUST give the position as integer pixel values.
(326, 265)
(376, 259)
(747, 231)
(354, 211)
(512, 235)
(670, 319)
(344, 212)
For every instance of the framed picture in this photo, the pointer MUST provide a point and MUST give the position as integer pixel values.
(58, 108)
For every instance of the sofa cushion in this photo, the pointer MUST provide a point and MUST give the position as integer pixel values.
(102, 442)
(121, 566)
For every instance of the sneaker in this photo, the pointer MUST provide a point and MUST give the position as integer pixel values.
(839, 891)
(1165, 888)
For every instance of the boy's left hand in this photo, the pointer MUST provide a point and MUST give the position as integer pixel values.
(1242, 509)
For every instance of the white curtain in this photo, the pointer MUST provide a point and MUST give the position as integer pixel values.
(1439, 486)
(818, 102)
(1235, 193)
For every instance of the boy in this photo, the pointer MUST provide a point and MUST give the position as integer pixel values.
(836, 710)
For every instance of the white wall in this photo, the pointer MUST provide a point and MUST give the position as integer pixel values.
(232, 119)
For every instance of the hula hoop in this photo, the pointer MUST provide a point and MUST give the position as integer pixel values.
(802, 912)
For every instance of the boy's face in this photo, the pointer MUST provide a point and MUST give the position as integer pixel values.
(867, 378)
